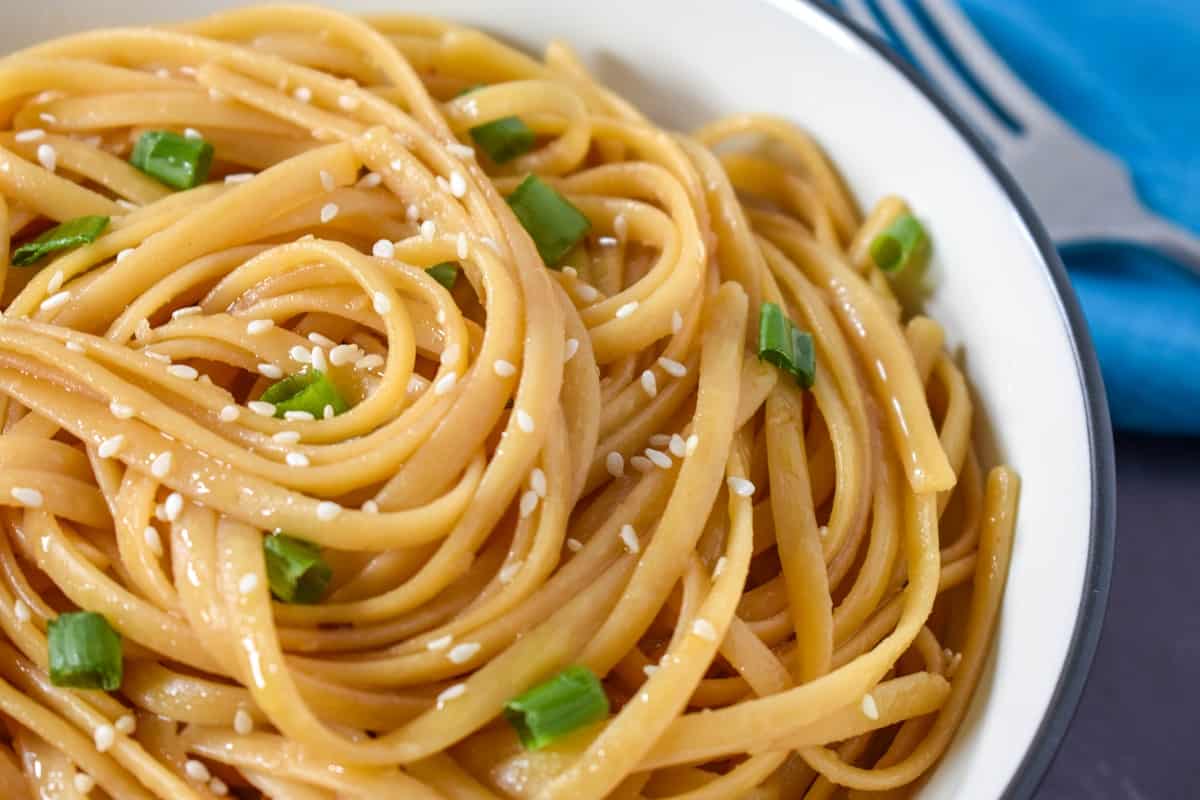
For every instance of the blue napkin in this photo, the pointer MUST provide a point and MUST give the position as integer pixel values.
(1127, 75)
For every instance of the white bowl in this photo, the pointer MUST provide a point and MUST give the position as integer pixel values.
(1002, 293)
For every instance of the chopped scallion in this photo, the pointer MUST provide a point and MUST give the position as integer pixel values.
(72, 233)
(177, 161)
(788, 348)
(445, 273)
(568, 701)
(555, 225)
(310, 390)
(899, 244)
(504, 139)
(295, 569)
(85, 652)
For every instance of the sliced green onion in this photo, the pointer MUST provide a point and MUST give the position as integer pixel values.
(781, 343)
(177, 161)
(72, 233)
(555, 225)
(295, 569)
(445, 273)
(899, 244)
(310, 390)
(504, 139)
(85, 652)
(568, 701)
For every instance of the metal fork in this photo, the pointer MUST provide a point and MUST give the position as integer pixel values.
(1082, 192)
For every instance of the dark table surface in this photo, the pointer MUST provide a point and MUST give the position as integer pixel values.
(1134, 735)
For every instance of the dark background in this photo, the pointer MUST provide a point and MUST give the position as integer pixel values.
(1135, 734)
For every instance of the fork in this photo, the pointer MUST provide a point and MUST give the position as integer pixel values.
(1081, 192)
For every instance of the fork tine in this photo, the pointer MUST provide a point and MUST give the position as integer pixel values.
(991, 71)
(858, 11)
(936, 66)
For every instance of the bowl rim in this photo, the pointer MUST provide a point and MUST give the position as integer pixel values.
(1097, 578)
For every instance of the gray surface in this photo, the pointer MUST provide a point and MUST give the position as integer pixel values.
(1134, 735)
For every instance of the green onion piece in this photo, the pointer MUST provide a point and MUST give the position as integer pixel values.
(445, 273)
(899, 244)
(310, 390)
(504, 139)
(85, 652)
(72, 233)
(177, 161)
(781, 343)
(295, 569)
(555, 225)
(568, 701)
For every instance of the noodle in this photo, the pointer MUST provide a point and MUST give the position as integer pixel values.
(784, 592)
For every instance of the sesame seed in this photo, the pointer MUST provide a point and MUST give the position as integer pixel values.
(47, 117)
(120, 410)
(693, 442)
(286, 437)
(588, 293)
(153, 540)
(83, 783)
(383, 249)
(300, 353)
(327, 510)
(318, 358)
(21, 612)
(524, 420)
(56, 281)
(327, 412)
(298, 416)
(196, 771)
(47, 156)
(658, 458)
(247, 583)
(104, 736)
(722, 562)
(606, 241)
(183, 372)
(451, 354)
(262, 408)
(327, 182)
(505, 369)
(453, 693)
(187, 70)
(458, 184)
(239, 177)
(381, 303)
(627, 310)
(490, 242)
(321, 339)
(370, 507)
(243, 723)
(464, 652)
(676, 322)
(191, 133)
(649, 383)
(677, 446)
(55, 300)
(629, 538)
(537, 481)
(869, 707)
(574, 545)
(397, 165)
(296, 460)
(615, 463)
(111, 446)
(173, 506)
(370, 180)
(153, 355)
(509, 571)
(303, 94)
(461, 247)
(256, 326)
(218, 787)
(428, 229)
(442, 183)
(161, 465)
(412, 212)
(740, 486)
(31, 135)
(370, 361)
(186, 311)
(445, 383)
(704, 629)
(572, 349)
(461, 150)
(74, 347)
(641, 463)
(672, 367)
(660, 440)
(528, 503)
(650, 669)
(343, 354)
(270, 371)
(126, 724)
(328, 212)
(440, 643)
(347, 102)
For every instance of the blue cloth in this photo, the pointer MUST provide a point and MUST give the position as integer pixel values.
(1127, 75)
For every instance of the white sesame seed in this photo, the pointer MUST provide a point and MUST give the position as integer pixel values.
(620, 226)
(31, 135)
(328, 212)
(722, 562)
(296, 460)
(650, 669)
(318, 358)
(126, 724)
(262, 408)
(629, 538)
(412, 212)
(606, 241)
(693, 442)
(676, 322)
(286, 437)
(55, 300)
(371, 361)
(186, 311)
(490, 242)
(183, 372)
(869, 707)
(74, 347)
(298, 416)
(445, 383)
(344, 354)
(328, 412)
(451, 354)
(154, 355)
(509, 571)
(161, 465)
(505, 369)
(239, 177)
(257, 326)
(381, 303)
(383, 249)
(196, 771)
(191, 133)
(529, 501)
(649, 383)
(47, 117)
(428, 229)
(111, 446)
(740, 486)
(641, 463)
(104, 736)
(370, 180)
(327, 510)
(672, 367)
(347, 102)
(321, 339)
(660, 440)
(120, 410)
(464, 652)
(574, 545)
(47, 156)
(524, 420)
(440, 643)
(327, 182)
(22, 612)
(153, 540)
(704, 629)
(587, 293)
(173, 506)
(441, 316)
(572, 349)
(627, 310)
(243, 723)
(83, 783)
(442, 183)
(247, 583)
(461, 150)
(453, 693)
(300, 353)
(218, 787)
(461, 247)
(537, 481)
(658, 458)
(615, 463)
(56, 281)
(370, 507)
(303, 94)
(458, 184)
(270, 371)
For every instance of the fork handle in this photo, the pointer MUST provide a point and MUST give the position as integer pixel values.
(1165, 237)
